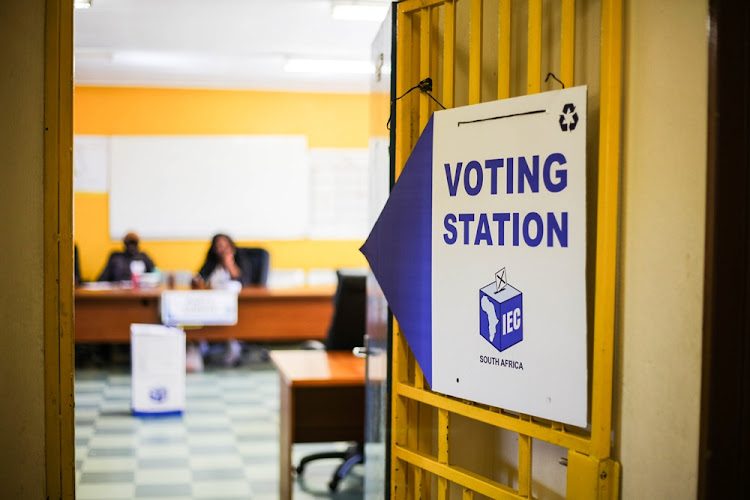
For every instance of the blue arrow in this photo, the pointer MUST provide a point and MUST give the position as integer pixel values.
(399, 250)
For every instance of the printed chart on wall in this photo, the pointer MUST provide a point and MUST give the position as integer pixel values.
(481, 253)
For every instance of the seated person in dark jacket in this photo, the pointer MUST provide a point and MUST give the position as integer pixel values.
(223, 264)
(118, 265)
(76, 267)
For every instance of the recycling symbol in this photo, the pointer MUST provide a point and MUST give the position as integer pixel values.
(568, 118)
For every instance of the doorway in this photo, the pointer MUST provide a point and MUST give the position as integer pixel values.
(725, 400)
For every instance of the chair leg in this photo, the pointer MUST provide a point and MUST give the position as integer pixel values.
(343, 469)
(319, 456)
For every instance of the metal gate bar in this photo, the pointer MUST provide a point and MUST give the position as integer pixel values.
(416, 459)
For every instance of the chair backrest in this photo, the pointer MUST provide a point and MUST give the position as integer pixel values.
(76, 266)
(347, 328)
(260, 260)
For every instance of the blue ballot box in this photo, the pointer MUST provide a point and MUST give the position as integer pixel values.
(158, 370)
(501, 316)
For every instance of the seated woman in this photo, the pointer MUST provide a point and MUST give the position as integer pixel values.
(223, 264)
(224, 268)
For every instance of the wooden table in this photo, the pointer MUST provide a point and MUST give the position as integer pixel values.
(322, 400)
(263, 314)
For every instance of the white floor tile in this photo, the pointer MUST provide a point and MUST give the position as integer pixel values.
(163, 476)
(108, 464)
(211, 462)
(109, 491)
(254, 449)
(212, 439)
(262, 472)
(163, 451)
(115, 441)
(213, 489)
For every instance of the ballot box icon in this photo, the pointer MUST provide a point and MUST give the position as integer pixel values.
(501, 314)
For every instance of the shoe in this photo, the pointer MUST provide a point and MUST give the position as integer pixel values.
(204, 347)
(233, 356)
(193, 359)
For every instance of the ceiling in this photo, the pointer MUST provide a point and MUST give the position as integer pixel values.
(237, 44)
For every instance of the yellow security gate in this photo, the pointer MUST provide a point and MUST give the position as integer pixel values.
(477, 51)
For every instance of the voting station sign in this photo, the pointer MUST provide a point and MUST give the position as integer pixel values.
(481, 253)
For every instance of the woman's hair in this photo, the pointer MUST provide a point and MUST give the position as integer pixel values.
(212, 249)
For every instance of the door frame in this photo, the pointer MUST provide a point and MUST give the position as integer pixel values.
(724, 455)
(58, 302)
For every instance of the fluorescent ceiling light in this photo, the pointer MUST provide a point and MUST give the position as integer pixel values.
(91, 54)
(82, 4)
(155, 59)
(328, 66)
(359, 11)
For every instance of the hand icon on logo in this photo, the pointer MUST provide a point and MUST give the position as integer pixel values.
(500, 280)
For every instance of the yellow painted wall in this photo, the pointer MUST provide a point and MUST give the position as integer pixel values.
(328, 120)
(22, 426)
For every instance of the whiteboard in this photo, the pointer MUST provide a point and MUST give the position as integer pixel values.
(90, 163)
(191, 187)
(338, 190)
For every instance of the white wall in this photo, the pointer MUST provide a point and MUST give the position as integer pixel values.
(659, 326)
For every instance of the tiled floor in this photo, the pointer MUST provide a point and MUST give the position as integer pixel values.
(225, 446)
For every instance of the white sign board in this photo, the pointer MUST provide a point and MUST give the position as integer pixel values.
(199, 307)
(509, 254)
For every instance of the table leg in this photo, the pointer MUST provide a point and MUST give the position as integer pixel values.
(286, 438)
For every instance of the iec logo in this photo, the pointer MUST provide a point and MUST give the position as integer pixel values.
(158, 394)
(501, 313)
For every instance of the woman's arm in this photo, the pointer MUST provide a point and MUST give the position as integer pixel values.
(230, 264)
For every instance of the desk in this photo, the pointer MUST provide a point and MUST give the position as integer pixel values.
(322, 399)
(263, 314)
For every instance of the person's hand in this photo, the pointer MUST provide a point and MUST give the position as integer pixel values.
(198, 282)
(227, 260)
(231, 266)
